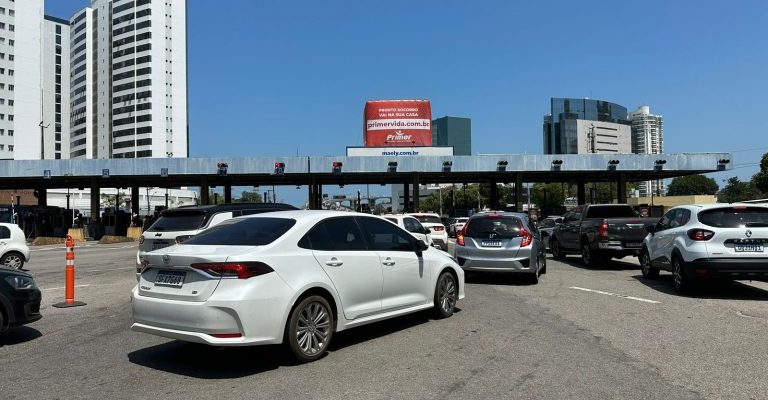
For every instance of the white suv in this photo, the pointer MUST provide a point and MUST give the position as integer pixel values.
(412, 225)
(726, 241)
(14, 251)
(433, 222)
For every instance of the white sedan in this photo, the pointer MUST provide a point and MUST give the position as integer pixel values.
(293, 276)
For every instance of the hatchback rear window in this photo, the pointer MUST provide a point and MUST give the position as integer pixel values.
(179, 221)
(735, 217)
(493, 227)
(429, 219)
(244, 232)
(611, 212)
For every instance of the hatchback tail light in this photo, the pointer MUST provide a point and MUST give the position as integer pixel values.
(527, 236)
(460, 238)
(602, 230)
(239, 270)
(700, 235)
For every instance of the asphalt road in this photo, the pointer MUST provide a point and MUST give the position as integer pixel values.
(580, 333)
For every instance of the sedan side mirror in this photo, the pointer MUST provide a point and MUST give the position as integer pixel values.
(651, 229)
(427, 231)
(420, 247)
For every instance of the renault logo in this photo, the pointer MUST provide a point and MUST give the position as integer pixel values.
(748, 233)
(166, 259)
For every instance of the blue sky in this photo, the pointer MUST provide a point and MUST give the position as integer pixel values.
(272, 77)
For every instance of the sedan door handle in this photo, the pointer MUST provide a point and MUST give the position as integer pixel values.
(388, 262)
(334, 262)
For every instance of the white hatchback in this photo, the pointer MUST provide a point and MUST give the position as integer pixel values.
(293, 276)
(724, 241)
(14, 251)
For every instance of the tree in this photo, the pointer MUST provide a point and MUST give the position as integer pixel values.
(692, 185)
(736, 190)
(249, 197)
(760, 180)
(549, 195)
(109, 200)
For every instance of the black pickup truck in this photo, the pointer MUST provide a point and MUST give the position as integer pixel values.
(600, 232)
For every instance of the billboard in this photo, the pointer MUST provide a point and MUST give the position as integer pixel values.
(400, 151)
(397, 123)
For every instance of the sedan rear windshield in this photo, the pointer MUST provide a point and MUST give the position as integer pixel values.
(244, 232)
(547, 223)
(179, 221)
(428, 218)
(735, 217)
(611, 212)
(493, 227)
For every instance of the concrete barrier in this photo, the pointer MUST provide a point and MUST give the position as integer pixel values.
(77, 234)
(108, 239)
(134, 232)
(42, 241)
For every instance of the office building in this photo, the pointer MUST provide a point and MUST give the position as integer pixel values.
(453, 131)
(129, 87)
(55, 87)
(584, 126)
(648, 138)
(20, 68)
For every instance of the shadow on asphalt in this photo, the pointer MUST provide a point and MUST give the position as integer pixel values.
(19, 335)
(714, 289)
(497, 278)
(208, 362)
(611, 265)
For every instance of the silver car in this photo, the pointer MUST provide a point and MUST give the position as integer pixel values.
(501, 242)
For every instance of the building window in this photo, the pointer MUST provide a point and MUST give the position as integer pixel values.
(2, 25)
(10, 71)
(11, 28)
(10, 148)
(10, 132)
(2, 10)
(2, 147)
(11, 57)
(11, 42)
(10, 117)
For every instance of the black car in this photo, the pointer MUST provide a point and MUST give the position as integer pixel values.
(19, 299)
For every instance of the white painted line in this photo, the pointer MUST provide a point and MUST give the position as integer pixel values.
(59, 288)
(616, 295)
(102, 270)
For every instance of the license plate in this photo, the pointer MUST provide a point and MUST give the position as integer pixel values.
(170, 278)
(159, 245)
(749, 248)
(633, 245)
(491, 243)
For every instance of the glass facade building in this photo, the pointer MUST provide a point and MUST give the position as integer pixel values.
(453, 131)
(560, 135)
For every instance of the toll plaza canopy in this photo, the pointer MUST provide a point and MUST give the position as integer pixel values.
(316, 171)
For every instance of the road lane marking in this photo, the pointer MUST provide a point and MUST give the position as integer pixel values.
(59, 288)
(616, 295)
(102, 270)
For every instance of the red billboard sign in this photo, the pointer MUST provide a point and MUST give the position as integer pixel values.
(397, 123)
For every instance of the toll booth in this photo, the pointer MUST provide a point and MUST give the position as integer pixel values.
(115, 221)
(37, 221)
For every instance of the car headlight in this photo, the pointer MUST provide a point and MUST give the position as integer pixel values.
(20, 282)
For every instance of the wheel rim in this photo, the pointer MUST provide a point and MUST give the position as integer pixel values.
(313, 328)
(678, 274)
(13, 261)
(585, 254)
(645, 262)
(447, 294)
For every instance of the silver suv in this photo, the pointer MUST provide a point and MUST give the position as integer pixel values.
(501, 242)
(723, 241)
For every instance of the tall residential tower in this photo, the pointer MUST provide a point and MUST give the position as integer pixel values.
(648, 138)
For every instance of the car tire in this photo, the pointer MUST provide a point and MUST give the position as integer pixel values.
(554, 247)
(648, 270)
(589, 257)
(310, 328)
(446, 295)
(544, 266)
(681, 281)
(3, 320)
(12, 260)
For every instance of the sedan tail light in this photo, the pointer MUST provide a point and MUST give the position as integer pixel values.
(438, 228)
(527, 236)
(700, 235)
(239, 270)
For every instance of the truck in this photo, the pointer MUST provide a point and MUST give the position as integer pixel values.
(600, 232)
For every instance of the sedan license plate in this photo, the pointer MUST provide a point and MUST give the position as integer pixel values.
(159, 245)
(633, 245)
(170, 278)
(749, 248)
(491, 243)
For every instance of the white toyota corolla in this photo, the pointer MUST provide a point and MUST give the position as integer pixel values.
(293, 277)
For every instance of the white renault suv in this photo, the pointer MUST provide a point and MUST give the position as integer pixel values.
(725, 241)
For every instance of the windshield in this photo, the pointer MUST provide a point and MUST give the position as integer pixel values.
(462, 220)
(493, 228)
(611, 212)
(428, 218)
(179, 221)
(244, 232)
(735, 217)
